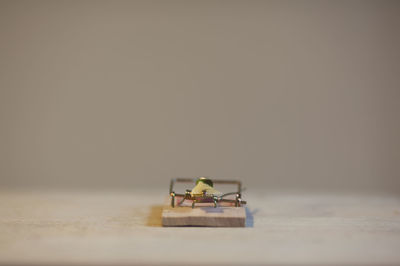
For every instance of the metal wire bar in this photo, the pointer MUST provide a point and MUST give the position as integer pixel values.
(205, 198)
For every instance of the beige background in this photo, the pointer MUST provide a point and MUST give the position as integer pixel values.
(285, 95)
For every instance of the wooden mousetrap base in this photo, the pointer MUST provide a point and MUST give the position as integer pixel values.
(203, 215)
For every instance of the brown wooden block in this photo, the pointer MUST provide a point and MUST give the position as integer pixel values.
(203, 216)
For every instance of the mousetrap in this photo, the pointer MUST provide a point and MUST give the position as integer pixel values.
(204, 205)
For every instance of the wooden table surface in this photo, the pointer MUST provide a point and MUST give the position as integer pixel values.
(48, 227)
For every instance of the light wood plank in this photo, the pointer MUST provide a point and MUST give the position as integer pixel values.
(204, 216)
(124, 228)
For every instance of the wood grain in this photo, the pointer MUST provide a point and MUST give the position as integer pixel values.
(122, 227)
(203, 216)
